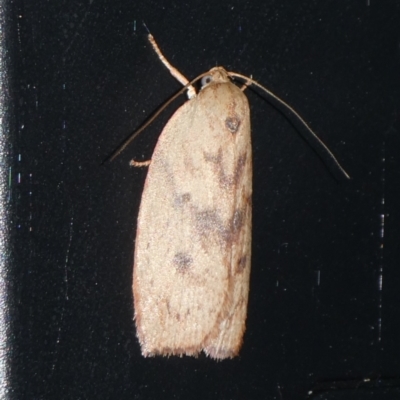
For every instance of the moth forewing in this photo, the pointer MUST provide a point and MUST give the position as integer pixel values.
(193, 243)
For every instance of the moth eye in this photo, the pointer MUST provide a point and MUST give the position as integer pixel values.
(205, 80)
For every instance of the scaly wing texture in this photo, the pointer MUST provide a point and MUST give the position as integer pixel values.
(193, 242)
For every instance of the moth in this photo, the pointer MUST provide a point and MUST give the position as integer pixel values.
(193, 242)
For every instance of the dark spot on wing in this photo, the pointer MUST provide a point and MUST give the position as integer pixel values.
(237, 220)
(209, 223)
(241, 162)
(214, 158)
(241, 265)
(182, 262)
(182, 199)
(225, 180)
(232, 123)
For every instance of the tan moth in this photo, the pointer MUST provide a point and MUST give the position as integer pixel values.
(193, 242)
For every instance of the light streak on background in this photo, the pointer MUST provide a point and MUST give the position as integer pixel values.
(6, 180)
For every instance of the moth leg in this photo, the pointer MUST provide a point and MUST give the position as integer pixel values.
(191, 92)
(139, 164)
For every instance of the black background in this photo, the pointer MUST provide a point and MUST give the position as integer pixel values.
(83, 76)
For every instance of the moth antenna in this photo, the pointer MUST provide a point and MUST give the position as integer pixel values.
(296, 114)
(147, 123)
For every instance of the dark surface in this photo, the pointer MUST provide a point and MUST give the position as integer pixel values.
(84, 77)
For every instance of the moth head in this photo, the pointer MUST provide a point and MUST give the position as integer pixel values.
(215, 75)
